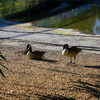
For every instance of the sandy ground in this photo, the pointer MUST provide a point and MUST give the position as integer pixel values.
(51, 78)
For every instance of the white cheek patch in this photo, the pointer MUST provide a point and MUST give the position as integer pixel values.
(64, 52)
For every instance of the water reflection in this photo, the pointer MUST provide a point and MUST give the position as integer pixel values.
(96, 27)
(85, 18)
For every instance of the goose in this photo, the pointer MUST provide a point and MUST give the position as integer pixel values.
(70, 52)
(34, 54)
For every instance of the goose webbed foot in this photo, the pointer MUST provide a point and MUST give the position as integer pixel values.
(71, 60)
(74, 59)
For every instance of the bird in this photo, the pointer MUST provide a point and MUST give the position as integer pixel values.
(34, 54)
(70, 51)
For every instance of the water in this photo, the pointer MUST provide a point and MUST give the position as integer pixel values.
(86, 18)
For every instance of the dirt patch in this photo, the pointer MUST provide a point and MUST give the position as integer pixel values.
(52, 78)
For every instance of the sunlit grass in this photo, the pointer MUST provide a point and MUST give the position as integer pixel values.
(9, 8)
(56, 69)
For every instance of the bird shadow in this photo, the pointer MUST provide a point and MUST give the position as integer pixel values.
(46, 60)
(59, 97)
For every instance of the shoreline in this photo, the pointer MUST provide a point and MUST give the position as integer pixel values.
(22, 34)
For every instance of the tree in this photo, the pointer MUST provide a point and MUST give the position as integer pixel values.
(2, 1)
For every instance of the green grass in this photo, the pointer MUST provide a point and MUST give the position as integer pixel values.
(56, 69)
(9, 8)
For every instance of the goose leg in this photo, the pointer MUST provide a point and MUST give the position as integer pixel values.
(74, 59)
(70, 59)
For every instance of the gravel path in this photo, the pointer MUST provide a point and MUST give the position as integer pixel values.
(52, 78)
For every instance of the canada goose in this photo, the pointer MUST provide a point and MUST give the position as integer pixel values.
(70, 52)
(34, 54)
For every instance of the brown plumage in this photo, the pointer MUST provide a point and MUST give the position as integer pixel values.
(70, 52)
(35, 54)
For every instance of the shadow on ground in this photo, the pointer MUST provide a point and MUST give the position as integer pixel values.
(50, 97)
(96, 67)
(46, 60)
(92, 89)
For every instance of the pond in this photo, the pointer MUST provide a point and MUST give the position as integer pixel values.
(86, 18)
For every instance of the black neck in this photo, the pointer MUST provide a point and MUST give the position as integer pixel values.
(65, 46)
(30, 48)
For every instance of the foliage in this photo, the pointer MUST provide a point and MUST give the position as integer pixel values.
(2, 58)
(56, 69)
(9, 7)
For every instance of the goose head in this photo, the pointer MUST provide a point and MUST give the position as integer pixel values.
(29, 48)
(26, 49)
(65, 46)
